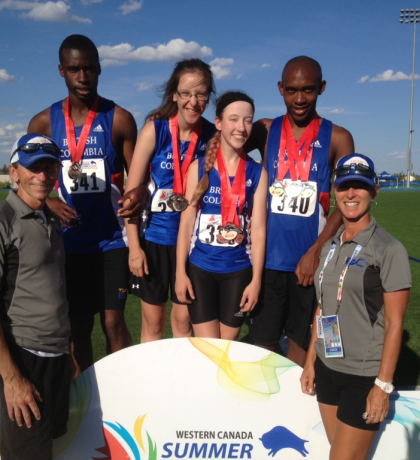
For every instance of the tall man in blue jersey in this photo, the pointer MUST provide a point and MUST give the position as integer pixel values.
(96, 247)
(296, 224)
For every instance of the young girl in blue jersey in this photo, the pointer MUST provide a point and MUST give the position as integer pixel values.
(175, 135)
(221, 280)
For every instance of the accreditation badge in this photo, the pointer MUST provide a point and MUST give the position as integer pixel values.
(332, 337)
(319, 331)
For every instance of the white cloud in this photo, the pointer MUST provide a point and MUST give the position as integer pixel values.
(218, 67)
(332, 111)
(173, 51)
(239, 76)
(5, 77)
(337, 111)
(397, 154)
(130, 6)
(145, 86)
(8, 135)
(49, 11)
(388, 75)
(89, 2)
(364, 79)
(265, 66)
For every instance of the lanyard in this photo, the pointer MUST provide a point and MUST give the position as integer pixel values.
(76, 150)
(298, 162)
(231, 194)
(180, 175)
(342, 276)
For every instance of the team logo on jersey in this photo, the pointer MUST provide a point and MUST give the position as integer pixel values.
(98, 129)
(317, 144)
(203, 147)
(249, 183)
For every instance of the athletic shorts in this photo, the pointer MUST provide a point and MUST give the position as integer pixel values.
(154, 287)
(97, 282)
(51, 377)
(283, 304)
(218, 295)
(348, 392)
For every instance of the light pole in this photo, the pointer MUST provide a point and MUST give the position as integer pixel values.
(408, 16)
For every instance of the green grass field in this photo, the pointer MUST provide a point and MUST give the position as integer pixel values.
(398, 213)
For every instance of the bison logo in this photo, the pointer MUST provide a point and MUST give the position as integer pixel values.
(281, 438)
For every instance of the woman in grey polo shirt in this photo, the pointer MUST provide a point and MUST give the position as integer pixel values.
(363, 283)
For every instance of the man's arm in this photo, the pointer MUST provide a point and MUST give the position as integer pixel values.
(341, 144)
(124, 135)
(41, 123)
(259, 137)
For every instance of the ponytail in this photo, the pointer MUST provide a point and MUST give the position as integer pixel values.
(210, 158)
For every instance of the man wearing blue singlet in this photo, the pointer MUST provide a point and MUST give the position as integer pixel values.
(96, 138)
(299, 150)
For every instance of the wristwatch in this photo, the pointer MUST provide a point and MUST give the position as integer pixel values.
(387, 387)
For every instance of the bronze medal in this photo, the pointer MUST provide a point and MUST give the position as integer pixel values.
(231, 232)
(75, 171)
(178, 203)
(277, 189)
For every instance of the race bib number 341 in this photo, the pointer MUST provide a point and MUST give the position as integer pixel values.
(294, 198)
(92, 180)
(210, 227)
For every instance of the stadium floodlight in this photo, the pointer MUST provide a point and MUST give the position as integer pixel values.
(413, 18)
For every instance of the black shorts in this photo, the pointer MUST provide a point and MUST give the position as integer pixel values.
(154, 287)
(218, 295)
(348, 392)
(283, 304)
(97, 282)
(51, 377)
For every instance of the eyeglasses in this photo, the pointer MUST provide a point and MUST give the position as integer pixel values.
(361, 170)
(33, 148)
(188, 95)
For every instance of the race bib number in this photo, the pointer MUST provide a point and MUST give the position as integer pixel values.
(92, 180)
(294, 198)
(210, 231)
(160, 200)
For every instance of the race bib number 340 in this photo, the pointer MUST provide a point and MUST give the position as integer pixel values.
(210, 227)
(92, 180)
(294, 198)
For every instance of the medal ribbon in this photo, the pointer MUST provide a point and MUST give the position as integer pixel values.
(76, 150)
(180, 175)
(233, 194)
(295, 153)
(342, 276)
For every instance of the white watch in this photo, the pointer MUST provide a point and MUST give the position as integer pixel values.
(387, 387)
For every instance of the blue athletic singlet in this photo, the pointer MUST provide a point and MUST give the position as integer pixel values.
(206, 252)
(298, 215)
(95, 195)
(160, 224)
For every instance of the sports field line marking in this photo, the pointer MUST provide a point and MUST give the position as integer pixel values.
(415, 260)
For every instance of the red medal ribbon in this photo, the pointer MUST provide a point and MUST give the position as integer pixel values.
(298, 162)
(180, 176)
(76, 150)
(232, 194)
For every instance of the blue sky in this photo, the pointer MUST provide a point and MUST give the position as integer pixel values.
(247, 43)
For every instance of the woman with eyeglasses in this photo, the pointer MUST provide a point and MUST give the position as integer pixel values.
(174, 135)
(218, 270)
(363, 282)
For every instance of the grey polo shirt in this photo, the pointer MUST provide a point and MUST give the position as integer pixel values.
(33, 304)
(381, 266)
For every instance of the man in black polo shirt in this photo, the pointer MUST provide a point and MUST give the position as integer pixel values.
(34, 332)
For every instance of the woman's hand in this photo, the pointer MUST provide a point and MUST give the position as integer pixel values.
(377, 405)
(137, 262)
(182, 287)
(307, 379)
(250, 296)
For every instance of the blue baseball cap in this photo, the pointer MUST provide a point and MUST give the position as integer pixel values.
(33, 147)
(355, 167)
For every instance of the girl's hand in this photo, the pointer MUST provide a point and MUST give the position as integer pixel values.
(137, 262)
(250, 296)
(182, 287)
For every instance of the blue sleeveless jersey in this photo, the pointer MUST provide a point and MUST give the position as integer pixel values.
(95, 195)
(206, 252)
(299, 214)
(160, 224)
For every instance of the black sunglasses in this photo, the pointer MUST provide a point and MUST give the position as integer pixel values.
(361, 170)
(33, 148)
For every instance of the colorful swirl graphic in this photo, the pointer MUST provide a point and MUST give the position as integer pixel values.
(255, 381)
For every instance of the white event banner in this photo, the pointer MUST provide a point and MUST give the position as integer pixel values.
(209, 398)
